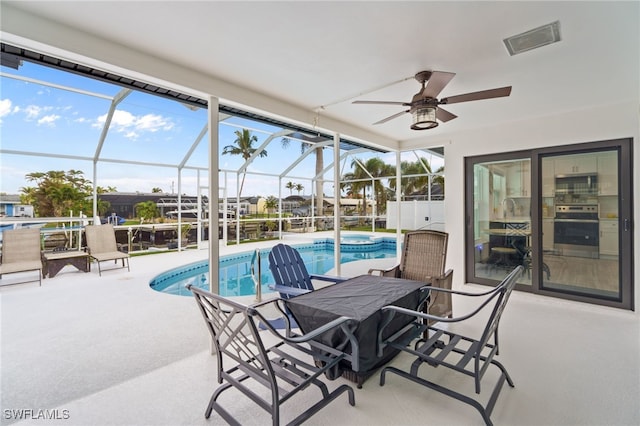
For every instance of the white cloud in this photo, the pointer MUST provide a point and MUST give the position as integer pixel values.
(32, 111)
(133, 126)
(48, 120)
(5, 108)
(153, 123)
(120, 118)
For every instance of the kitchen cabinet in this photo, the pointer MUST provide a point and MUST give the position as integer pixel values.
(547, 234)
(608, 173)
(609, 237)
(576, 163)
(518, 179)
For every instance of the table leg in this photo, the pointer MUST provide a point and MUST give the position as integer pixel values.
(53, 266)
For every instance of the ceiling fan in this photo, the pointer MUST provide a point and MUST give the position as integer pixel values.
(424, 106)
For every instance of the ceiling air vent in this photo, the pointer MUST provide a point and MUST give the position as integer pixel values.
(533, 39)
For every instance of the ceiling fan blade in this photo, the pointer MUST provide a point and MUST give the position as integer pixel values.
(437, 82)
(384, 120)
(476, 96)
(444, 115)
(381, 102)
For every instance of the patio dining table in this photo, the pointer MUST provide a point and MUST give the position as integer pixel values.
(360, 298)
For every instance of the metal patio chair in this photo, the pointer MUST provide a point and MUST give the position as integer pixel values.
(290, 273)
(21, 252)
(102, 245)
(463, 354)
(424, 254)
(245, 363)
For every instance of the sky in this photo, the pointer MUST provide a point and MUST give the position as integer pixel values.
(66, 117)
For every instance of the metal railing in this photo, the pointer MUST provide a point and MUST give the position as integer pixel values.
(257, 281)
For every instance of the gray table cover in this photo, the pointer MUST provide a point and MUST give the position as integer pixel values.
(359, 298)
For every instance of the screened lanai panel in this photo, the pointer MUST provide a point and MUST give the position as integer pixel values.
(30, 70)
(49, 118)
(199, 158)
(146, 179)
(152, 129)
(14, 169)
(282, 153)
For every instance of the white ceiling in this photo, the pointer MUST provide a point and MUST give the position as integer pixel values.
(320, 56)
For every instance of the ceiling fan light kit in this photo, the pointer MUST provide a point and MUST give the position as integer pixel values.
(424, 118)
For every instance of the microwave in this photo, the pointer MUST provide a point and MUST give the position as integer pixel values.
(577, 184)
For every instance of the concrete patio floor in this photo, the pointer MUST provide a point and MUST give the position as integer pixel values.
(110, 351)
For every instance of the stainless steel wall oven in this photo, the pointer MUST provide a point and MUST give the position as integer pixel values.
(576, 230)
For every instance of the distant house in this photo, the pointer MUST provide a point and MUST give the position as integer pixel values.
(123, 203)
(350, 205)
(10, 206)
(248, 205)
(298, 205)
(437, 193)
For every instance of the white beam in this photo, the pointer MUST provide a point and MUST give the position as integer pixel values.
(194, 146)
(262, 147)
(304, 155)
(336, 204)
(56, 86)
(213, 205)
(119, 97)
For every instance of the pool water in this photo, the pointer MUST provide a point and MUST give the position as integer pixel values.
(235, 270)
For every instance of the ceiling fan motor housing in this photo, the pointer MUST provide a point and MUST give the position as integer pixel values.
(423, 76)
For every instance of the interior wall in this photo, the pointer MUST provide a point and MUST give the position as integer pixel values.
(588, 125)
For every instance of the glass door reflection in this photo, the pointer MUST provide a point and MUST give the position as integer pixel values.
(502, 218)
(580, 239)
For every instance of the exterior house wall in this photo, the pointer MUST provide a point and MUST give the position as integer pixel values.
(259, 206)
(16, 210)
(589, 125)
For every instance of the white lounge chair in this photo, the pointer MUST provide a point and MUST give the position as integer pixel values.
(102, 246)
(21, 252)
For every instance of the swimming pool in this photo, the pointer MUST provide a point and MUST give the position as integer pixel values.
(235, 269)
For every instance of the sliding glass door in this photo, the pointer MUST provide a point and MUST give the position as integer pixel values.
(501, 217)
(580, 241)
(563, 213)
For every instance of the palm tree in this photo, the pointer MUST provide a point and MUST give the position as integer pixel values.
(290, 185)
(270, 204)
(439, 179)
(373, 168)
(353, 183)
(299, 188)
(419, 181)
(243, 147)
(413, 183)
